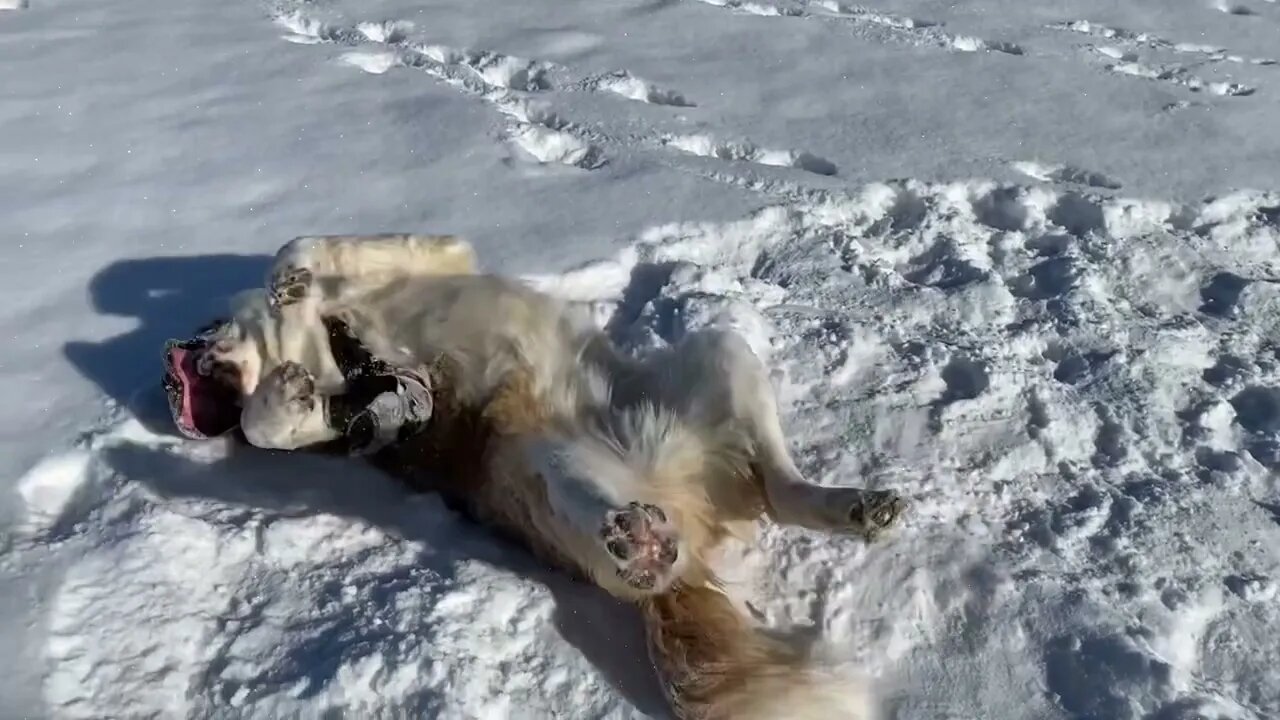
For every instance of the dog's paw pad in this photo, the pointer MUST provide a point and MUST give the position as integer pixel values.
(643, 544)
(289, 285)
(874, 511)
(293, 385)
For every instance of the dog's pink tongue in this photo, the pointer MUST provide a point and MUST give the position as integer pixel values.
(183, 363)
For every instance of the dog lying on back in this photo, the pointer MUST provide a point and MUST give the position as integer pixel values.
(625, 471)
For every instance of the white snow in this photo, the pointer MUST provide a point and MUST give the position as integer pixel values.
(1020, 261)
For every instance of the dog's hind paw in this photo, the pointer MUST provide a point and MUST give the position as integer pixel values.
(871, 512)
(289, 285)
(644, 545)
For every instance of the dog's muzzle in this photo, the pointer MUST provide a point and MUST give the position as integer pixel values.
(201, 406)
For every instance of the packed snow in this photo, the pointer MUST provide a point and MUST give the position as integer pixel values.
(1019, 261)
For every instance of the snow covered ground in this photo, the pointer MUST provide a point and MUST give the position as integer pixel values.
(1019, 260)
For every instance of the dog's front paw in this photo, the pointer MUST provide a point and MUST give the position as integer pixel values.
(643, 544)
(289, 284)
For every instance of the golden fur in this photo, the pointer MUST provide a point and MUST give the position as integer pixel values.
(542, 430)
(715, 664)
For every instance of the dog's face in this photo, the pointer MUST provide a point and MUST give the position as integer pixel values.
(207, 378)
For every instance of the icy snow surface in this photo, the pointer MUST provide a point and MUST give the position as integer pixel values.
(1019, 260)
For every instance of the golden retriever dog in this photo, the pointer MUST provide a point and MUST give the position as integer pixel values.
(628, 471)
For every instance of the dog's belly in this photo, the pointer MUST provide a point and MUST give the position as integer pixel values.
(486, 325)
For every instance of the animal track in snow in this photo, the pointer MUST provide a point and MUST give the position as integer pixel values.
(1065, 174)
(1179, 75)
(505, 82)
(374, 62)
(1257, 410)
(1233, 8)
(944, 267)
(910, 30)
(965, 379)
(1077, 367)
(390, 32)
(706, 146)
(871, 24)
(1221, 295)
(555, 146)
(755, 8)
(304, 30)
(545, 137)
(493, 69)
(1119, 57)
(1047, 279)
(633, 88)
(1154, 42)
(968, 43)
(498, 79)
(871, 17)
(490, 69)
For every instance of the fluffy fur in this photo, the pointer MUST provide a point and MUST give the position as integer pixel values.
(626, 471)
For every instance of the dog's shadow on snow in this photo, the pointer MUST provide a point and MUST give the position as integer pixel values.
(247, 482)
(172, 297)
(168, 297)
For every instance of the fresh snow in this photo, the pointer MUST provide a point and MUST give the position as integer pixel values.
(1020, 261)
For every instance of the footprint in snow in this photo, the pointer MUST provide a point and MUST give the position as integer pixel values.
(633, 88)
(1232, 8)
(1121, 49)
(873, 24)
(1065, 174)
(374, 63)
(549, 146)
(707, 146)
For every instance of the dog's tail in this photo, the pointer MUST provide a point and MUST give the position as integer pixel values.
(716, 665)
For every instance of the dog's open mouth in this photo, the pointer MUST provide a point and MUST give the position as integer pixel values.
(202, 407)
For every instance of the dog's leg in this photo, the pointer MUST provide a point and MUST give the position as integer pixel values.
(383, 403)
(631, 548)
(380, 404)
(631, 543)
(285, 412)
(323, 268)
(595, 505)
(726, 382)
(796, 501)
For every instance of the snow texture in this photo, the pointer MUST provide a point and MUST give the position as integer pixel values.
(1020, 261)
